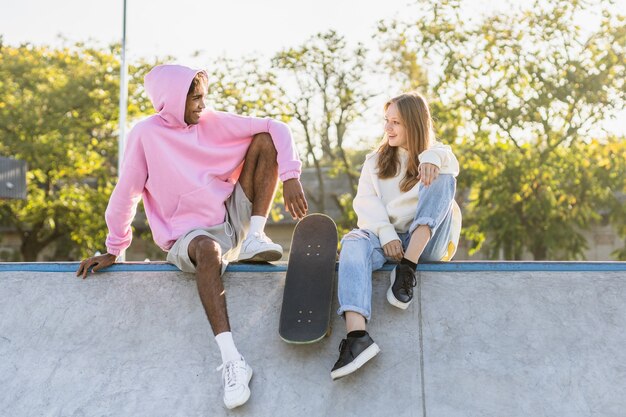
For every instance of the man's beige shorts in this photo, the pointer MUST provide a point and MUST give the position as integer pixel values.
(228, 235)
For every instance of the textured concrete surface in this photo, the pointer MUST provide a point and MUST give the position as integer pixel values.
(138, 344)
(525, 344)
(479, 344)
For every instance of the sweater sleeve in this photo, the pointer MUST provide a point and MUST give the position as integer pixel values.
(289, 165)
(126, 195)
(441, 155)
(237, 126)
(370, 210)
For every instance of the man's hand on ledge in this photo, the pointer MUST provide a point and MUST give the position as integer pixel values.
(97, 262)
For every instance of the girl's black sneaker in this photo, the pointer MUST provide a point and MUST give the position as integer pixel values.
(400, 292)
(354, 352)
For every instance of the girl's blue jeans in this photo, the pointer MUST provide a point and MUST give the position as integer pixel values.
(362, 253)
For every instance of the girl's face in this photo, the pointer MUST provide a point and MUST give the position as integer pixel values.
(394, 127)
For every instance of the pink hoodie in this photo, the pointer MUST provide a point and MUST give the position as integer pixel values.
(185, 173)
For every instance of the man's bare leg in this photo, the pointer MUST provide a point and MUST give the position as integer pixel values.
(259, 176)
(206, 254)
(258, 180)
(236, 373)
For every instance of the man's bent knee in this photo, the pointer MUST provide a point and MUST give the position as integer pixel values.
(263, 142)
(205, 250)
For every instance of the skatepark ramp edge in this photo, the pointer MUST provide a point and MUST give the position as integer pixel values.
(481, 339)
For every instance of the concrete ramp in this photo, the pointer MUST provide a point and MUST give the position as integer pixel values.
(134, 342)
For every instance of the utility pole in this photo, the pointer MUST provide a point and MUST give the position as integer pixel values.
(123, 107)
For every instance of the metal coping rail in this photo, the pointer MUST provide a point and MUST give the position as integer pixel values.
(454, 266)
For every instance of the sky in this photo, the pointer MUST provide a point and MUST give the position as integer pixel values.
(181, 27)
(234, 28)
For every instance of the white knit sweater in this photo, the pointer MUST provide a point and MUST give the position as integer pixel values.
(385, 210)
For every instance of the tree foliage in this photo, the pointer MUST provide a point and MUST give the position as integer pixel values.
(328, 94)
(244, 86)
(522, 94)
(59, 113)
(529, 90)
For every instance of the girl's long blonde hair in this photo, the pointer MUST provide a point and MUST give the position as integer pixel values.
(418, 124)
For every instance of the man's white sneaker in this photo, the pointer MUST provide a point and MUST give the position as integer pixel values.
(258, 247)
(236, 376)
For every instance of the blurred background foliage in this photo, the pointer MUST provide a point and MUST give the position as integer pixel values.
(59, 113)
(522, 97)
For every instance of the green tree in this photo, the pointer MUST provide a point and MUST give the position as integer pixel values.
(328, 93)
(529, 90)
(610, 164)
(245, 86)
(59, 113)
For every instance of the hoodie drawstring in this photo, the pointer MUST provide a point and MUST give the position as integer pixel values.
(228, 229)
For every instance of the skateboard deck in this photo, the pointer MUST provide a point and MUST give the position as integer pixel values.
(310, 280)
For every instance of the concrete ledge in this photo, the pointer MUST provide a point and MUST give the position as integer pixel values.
(133, 342)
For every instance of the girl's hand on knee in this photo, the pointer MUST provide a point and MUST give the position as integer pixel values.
(393, 250)
(428, 173)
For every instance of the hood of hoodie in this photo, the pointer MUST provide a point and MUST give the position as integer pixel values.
(167, 87)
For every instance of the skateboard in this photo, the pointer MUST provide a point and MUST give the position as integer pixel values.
(310, 280)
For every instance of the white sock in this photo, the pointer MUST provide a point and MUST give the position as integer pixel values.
(257, 224)
(227, 347)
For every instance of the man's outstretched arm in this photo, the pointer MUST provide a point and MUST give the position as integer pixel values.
(122, 206)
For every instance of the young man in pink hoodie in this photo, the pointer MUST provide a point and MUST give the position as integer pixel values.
(207, 180)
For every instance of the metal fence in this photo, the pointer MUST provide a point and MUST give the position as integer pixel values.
(12, 178)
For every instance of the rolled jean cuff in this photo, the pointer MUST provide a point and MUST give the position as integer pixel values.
(341, 310)
(428, 221)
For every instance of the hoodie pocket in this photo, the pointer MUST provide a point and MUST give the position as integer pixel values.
(202, 207)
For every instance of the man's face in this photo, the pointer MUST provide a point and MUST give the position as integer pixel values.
(195, 103)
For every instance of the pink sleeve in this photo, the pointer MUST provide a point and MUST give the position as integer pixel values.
(289, 165)
(235, 126)
(126, 195)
